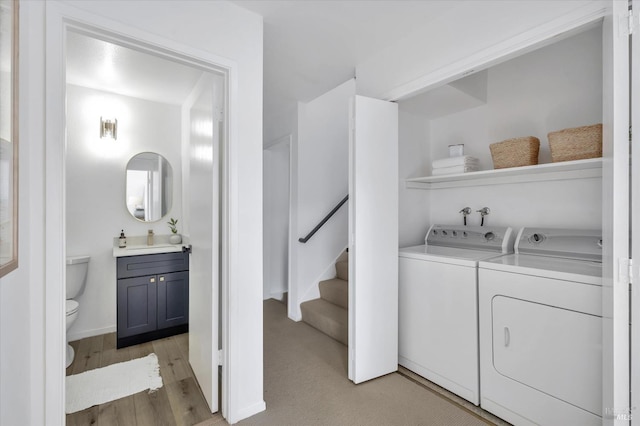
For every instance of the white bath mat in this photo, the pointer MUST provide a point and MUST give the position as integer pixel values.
(109, 383)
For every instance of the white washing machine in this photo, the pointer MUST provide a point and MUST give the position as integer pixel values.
(438, 304)
(541, 329)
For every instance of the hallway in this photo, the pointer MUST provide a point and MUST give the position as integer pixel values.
(306, 384)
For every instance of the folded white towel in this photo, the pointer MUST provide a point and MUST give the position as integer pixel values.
(463, 160)
(454, 169)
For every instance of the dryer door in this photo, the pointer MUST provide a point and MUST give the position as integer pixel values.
(555, 351)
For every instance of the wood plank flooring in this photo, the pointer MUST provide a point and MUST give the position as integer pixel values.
(179, 402)
(305, 383)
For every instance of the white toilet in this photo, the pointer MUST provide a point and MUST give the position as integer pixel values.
(77, 267)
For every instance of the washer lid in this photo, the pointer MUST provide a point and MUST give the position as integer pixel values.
(450, 255)
(581, 271)
(71, 306)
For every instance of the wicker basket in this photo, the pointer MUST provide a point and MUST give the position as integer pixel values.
(515, 152)
(576, 144)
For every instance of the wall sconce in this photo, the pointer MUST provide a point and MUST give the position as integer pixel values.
(109, 128)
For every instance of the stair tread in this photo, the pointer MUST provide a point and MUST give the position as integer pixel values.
(336, 281)
(335, 291)
(321, 304)
(327, 317)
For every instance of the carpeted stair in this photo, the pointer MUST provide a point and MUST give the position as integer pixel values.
(329, 314)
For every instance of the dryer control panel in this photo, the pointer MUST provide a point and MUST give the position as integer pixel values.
(582, 244)
(498, 239)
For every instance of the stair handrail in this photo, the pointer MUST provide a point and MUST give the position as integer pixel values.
(323, 221)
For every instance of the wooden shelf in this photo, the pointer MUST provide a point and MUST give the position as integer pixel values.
(579, 169)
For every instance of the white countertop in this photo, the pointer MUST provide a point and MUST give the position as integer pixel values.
(137, 245)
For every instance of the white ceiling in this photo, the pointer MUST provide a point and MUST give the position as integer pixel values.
(105, 66)
(310, 47)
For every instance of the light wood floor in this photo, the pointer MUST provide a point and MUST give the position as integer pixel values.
(178, 402)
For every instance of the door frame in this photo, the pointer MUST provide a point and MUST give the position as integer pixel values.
(59, 19)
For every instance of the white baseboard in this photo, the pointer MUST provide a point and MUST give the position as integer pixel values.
(278, 296)
(90, 333)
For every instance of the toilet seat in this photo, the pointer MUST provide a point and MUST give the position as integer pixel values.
(71, 307)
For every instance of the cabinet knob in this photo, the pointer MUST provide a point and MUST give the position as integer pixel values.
(152, 280)
(161, 278)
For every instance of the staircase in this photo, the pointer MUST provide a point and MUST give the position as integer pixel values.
(329, 314)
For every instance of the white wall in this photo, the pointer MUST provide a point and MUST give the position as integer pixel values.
(558, 86)
(414, 158)
(215, 28)
(95, 175)
(573, 204)
(322, 181)
(281, 122)
(460, 38)
(22, 293)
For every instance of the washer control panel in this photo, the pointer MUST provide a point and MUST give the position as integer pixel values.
(498, 239)
(583, 244)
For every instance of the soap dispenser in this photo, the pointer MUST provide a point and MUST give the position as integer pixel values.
(150, 237)
(122, 241)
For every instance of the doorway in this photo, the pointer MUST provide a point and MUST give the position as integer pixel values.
(277, 208)
(176, 107)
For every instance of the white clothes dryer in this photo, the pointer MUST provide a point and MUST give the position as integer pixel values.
(438, 304)
(541, 329)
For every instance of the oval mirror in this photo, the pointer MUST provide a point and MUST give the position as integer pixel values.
(149, 186)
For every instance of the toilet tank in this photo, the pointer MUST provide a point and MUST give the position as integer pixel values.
(77, 267)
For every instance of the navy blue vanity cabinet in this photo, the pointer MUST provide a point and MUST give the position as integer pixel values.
(152, 296)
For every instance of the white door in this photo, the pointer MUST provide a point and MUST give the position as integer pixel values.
(635, 224)
(373, 242)
(276, 189)
(202, 190)
(615, 217)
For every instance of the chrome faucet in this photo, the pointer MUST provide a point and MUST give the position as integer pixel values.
(465, 212)
(483, 212)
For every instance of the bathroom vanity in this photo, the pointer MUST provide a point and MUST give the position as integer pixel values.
(152, 297)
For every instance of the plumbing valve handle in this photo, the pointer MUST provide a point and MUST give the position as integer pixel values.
(465, 211)
(483, 212)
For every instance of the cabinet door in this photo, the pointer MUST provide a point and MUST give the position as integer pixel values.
(173, 299)
(635, 235)
(373, 247)
(615, 216)
(137, 305)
